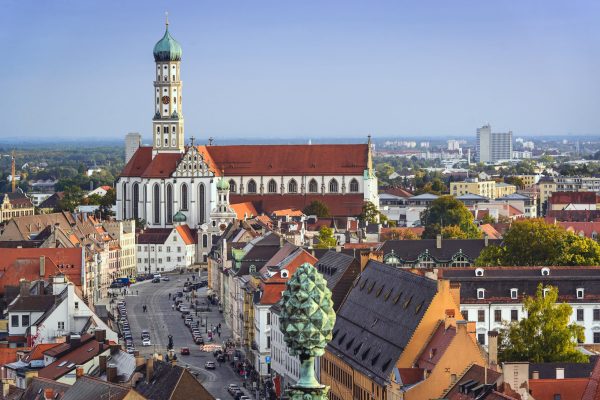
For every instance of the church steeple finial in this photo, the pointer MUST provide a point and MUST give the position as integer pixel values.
(167, 19)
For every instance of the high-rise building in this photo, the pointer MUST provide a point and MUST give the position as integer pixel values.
(453, 144)
(133, 141)
(493, 146)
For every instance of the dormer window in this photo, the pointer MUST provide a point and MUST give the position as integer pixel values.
(514, 293)
(545, 271)
(580, 292)
(479, 272)
(252, 269)
(285, 273)
(480, 294)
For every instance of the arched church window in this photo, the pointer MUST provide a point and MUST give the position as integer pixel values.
(333, 186)
(292, 186)
(169, 204)
(232, 186)
(354, 186)
(313, 187)
(156, 203)
(145, 201)
(272, 186)
(136, 200)
(201, 203)
(205, 240)
(251, 186)
(124, 200)
(184, 197)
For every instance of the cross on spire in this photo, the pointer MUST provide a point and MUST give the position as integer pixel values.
(167, 18)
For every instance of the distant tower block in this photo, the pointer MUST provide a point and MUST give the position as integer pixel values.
(133, 140)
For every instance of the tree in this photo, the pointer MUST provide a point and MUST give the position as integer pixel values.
(488, 219)
(371, 214)
(545, 335)
(515, 180)
(399, 234)
(453, 232)
(534, 242)
(326, 238)
(73, 198)
(447, 211)
(317, 208)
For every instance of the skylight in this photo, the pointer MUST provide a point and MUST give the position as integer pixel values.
(62, 364)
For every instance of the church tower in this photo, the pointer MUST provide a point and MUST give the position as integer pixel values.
(167, 124)
(222, 214)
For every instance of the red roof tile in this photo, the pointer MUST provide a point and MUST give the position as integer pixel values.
(326, 159)
(24, 263)
(8, 354)
(186, 234)
(574, 198)
(37, 353)
(339, 205)
(138, 163)
(244, 210)
(410, 376)
(288, 212)
(162, 165)
(272, 293)
(398, 192)
(78, 356)
(545, 389)
(436, 347)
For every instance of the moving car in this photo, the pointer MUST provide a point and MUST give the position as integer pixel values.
(233, 387)
(210, 365)
(156, 280)
(166, 278)
(185, 351)
(146, 342)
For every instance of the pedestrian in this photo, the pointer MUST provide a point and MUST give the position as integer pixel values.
(169, 296)
(219, 333)
(173, 306)
(137, 292)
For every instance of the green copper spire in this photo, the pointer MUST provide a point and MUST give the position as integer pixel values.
(179, 217)
(307, 320)
(167, 48)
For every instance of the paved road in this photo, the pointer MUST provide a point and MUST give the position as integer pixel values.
(162, 321)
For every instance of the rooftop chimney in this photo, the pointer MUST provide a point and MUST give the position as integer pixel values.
(23, 287)
(149, 369)
(42, 266)
(5, 389)
(535, 375)
(560, 373)
(75, 341)
(111, 373)
(438, 242)
(485, 240)
(100, 335)
(102, 363)
(78, 372)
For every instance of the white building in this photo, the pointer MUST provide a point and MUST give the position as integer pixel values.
(493, 146)
(165, 249)
(492, 296)
(45, 318)
(286, 366)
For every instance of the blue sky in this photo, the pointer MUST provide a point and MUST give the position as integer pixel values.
(304, 68)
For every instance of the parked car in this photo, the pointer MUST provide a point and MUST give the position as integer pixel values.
(210, 365)
(116, 285)
(232, 387)
(146, 342)
(185, 351)
(156, 280)
(166, 278)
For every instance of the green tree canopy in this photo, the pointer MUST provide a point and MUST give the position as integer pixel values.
(447, 211)
(535, 242)
(371, 214)
(326, 238)
(73, 198)
(317, 208)
(545, 335)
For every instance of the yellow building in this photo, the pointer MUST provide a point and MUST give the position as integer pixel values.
(387, 328)
(528, 180)
(489, 189)
(15, 204)
(547, 187)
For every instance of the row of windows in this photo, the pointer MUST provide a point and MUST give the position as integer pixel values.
(292, 186)
(14, 321)
(581, 315)
(145, 248)
(336, 373)
(160, 260)
(514, 315)
(514, 292)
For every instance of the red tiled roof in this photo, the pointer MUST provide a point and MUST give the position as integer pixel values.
(162, 165)
(138, 163)
(436, 347)
(37, 353)
(186, 234)
(592, 391)
(24, 263)
(78, 356)
(287, 212)
(339, 205)
(585, 228)
(8, 354)
(569, 388)
(272, 293)
(490, 231)
(327, 159)
(574, 198)
(244, 210)
(410, 376)
(153, 236)
(398, 192)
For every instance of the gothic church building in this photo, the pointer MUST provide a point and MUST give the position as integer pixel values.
(173, 177)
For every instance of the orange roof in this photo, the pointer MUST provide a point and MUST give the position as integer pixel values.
(186, 234)
(490, 231)
(37, 353)
(264, 219)
(244, 210)
(338, 204)
(8, 354)
(209, 160)
(272, 293)
(106, 187)
(295, 159)
(288, 212)
(569, 388)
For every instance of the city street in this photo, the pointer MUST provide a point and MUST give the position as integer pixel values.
(161, 321)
